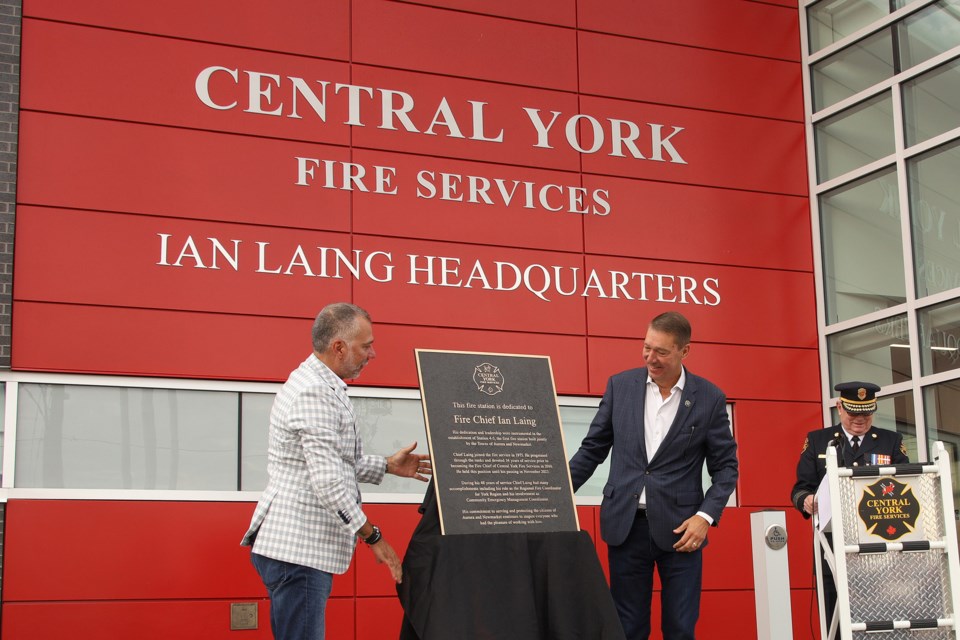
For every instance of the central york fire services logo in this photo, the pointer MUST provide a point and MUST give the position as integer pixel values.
(488, 378)
(889, 509)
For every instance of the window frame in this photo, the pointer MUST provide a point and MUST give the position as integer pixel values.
(898, 161)
(12, 380)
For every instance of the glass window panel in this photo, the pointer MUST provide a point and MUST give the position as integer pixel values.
(941, 404)
(851, 70)
(897, 413)
(576, 421)
(862, 247)
(929, 32)
(940, 338)
(832, 20)
(935, 218)
(878, 352)
(855, 137)
(255, 423)
(84, 437)
(931, 103)
(387, 425)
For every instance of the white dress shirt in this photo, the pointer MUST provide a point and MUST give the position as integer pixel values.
(658, 415)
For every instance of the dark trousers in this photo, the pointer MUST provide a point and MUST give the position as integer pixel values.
(631, 583)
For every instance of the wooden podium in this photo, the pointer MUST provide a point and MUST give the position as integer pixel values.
(893, 553)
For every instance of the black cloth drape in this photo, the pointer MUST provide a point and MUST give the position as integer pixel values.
(503, 586)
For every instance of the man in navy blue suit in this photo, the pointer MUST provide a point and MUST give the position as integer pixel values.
(661, 422)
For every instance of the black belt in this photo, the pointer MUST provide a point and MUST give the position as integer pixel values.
(642, 513)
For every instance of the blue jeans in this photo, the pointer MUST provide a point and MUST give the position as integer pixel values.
(631, 584)
(298, 597)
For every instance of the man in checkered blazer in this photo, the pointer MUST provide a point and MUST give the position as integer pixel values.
(309, 517)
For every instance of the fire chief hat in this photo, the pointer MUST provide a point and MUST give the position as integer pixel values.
(858, 397)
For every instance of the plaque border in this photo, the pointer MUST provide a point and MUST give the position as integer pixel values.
(426, 419)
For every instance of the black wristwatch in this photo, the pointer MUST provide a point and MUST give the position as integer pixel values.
(374, 537)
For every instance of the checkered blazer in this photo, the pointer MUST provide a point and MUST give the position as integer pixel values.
(310, 512)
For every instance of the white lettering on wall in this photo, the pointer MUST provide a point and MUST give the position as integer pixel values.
(481, 190)
(622, 134)
(347, 176)
(190, 253)
(452, 187)
(276, 95)
(544, 281)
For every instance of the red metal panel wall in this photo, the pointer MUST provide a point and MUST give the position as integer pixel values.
(770, 436)
(466, 217)
(154, 570)
(171, 569)
(753, 28)
(722, 292)
(318, 28)
(661, 73)
(119, 550)
(664, 175)
(718, 149)
(151, 79)
(571, 203)
(198, 356)
(462, 44)
(191, 174)
(203, 277)
(790, 374)
(557, 12)
(378, 618)
(651, 213)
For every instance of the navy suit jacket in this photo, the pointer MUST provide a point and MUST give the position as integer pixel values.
(673, 478)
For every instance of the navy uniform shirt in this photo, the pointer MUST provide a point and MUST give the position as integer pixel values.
(877, 447)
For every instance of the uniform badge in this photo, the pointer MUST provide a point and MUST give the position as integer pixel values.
(806, 443)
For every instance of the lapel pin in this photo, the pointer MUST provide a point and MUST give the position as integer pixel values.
(687, 403)
(874, 435)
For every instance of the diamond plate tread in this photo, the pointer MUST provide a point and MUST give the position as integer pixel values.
(896, 585)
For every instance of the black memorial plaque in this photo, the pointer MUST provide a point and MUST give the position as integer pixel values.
(499, 463)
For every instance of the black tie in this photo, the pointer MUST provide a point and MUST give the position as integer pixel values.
(855, 448)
